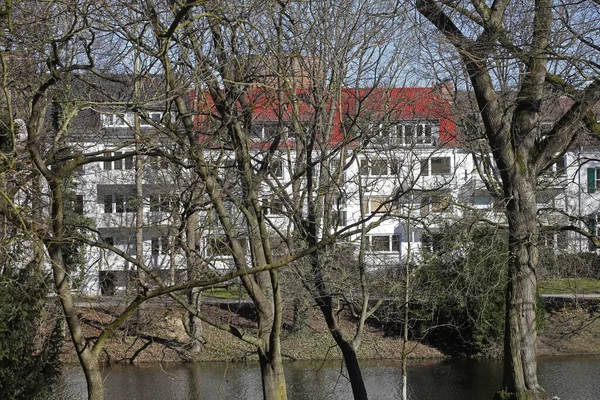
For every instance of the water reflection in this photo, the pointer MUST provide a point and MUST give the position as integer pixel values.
(566, 377)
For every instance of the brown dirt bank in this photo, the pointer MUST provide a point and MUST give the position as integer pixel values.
(159, 335)
(571, 330)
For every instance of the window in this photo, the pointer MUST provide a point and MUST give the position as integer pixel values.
(123, 203)
(155, 245)
(592, 226)
(129, 163)
(266, 130)
(436, 203)
(160, 245)
(107, 164)
(377, 167)
(78, 204)
(108, 208)
(124, 120)
(436, 166)
(339, 218)
(263, 130)
(119, 203)
(337, 171)
(126, 162)
(364, 167)
(218, 246)
(440, 165)
(482, 198)
(276, 169)
(593, 179)
(411, 197)
(131, 246)
(378, 204)
(423, 134)
(160, 202)
(424, 167)
(130, 203)
(276, 207)
(117, 120)
(118, 164)
(384, 243)
(554, 240)
(164, 245)
(549, 197)
(152, 118)
(409, 133)
(109, 241)
(403, 133)
(558, 168)
(158, 163)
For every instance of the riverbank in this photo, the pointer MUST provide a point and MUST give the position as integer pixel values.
(571, 329)
(161, 336)
(157, 334)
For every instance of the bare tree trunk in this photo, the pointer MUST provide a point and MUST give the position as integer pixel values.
(353, 368)
(324, 301)
(139, 195)
(406, 311)
(193, 296)
(520, 366)
(139, 226)
(88, 360)
(273, 378)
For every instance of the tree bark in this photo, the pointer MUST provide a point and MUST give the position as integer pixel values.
(193, 295)
(520, 366)
(87, 359)
(273, 378)
(348, 351)
(354, 372)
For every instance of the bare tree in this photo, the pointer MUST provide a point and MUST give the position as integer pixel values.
(529, 35)
(56, 66)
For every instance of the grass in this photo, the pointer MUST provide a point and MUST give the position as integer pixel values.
(569, 285)
(231, 293)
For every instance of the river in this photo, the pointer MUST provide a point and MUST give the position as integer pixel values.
(569, 378)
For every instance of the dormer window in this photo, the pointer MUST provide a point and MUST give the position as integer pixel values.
(125, 120)
(264, 131)
(117, 120)
(403, 133)
(152, 118)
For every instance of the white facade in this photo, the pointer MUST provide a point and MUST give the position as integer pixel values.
(403, 185)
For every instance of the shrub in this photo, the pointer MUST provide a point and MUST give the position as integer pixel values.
(463, 290)
(30, 338)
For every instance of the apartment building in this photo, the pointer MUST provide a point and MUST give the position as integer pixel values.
(403, 167)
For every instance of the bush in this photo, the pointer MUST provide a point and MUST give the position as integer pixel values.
(462, 291)
(30, 338)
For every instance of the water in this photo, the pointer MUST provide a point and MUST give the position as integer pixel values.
(569, 378)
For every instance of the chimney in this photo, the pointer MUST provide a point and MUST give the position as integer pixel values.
(445, 88)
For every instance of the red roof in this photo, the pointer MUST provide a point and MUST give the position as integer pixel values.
(379, 104)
